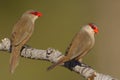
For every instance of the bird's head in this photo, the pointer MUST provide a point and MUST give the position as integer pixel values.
(93, 27)
(32, 15)
(90, 28)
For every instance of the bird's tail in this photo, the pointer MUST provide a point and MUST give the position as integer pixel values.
(14, 60)
(62, 60)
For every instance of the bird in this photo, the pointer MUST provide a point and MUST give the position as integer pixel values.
(21, 33)
(81, 44)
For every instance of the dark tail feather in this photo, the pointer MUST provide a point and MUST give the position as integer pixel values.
(14, 59)
(60, 61)
(54, 65)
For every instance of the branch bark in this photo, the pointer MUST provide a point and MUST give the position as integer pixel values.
(53, 56)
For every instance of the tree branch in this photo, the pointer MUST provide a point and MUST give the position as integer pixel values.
(53, 55)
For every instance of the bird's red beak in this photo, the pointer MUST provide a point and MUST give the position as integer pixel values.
(96, 30)
(36, 13)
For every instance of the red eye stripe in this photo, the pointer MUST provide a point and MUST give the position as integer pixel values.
(93, 26)
(36, 13)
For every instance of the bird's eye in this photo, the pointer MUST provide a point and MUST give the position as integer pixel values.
(35, 13)
(93, 27)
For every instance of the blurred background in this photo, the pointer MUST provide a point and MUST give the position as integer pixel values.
(60, 21)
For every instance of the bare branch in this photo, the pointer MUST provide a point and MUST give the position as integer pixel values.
(53, 55)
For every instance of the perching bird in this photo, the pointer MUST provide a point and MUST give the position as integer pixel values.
(82, 42)
(21, 33)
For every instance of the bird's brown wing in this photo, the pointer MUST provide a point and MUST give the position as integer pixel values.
(81, 42)
(21, 31)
